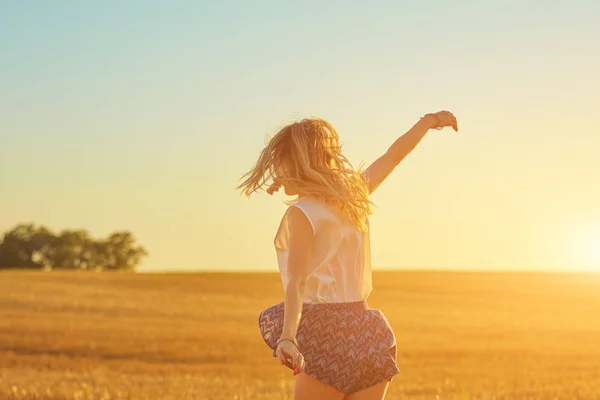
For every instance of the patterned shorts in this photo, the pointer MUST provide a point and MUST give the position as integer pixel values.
(345, 345)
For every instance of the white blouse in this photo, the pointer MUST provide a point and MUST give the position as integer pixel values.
(340, 265)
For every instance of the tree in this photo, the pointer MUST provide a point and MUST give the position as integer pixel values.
(71, 248)
(122, 251)
(26, 246)
(29, 246)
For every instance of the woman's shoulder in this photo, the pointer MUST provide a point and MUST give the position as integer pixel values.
(311, 205)
(312, 202)
(317, 209)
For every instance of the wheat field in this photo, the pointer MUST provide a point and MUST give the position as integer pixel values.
(78, 335)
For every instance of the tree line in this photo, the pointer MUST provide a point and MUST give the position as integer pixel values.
(36, 247)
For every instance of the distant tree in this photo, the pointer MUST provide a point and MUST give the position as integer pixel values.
(30, 246)
(121, 252)
(71, 248)
(26, 246)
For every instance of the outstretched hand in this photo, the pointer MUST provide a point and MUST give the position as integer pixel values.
(445, 118)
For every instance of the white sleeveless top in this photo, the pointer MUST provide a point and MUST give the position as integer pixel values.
(340, 265)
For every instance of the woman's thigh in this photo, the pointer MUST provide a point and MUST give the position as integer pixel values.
(376, 392)
(309, 388)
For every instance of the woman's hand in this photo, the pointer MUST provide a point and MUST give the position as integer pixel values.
(287, 351)
(442, 119)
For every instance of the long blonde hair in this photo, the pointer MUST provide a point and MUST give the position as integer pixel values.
(307, 157)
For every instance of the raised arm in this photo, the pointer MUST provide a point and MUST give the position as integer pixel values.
(384, 165)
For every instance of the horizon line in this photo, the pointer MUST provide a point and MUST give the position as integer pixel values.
(396, 269)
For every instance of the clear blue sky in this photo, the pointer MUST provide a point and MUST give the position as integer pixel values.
(141, 115)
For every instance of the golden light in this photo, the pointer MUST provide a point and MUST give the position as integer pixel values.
(593, 248)
(588, 249)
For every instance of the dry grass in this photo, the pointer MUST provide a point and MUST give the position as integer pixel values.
(195, 336)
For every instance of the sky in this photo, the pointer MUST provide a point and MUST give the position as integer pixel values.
(142, 115)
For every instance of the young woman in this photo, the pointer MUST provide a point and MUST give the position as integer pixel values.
(337, 346)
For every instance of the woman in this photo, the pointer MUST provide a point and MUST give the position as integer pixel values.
(337, 346)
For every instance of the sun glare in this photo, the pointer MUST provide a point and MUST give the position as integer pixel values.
(594, 248)
(589, 250)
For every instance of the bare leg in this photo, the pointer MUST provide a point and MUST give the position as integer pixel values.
(308, 388)
(376, 392)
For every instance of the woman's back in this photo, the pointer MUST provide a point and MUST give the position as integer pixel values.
(340, 262)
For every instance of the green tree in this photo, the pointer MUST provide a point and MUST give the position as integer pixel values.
(27, 246)
(122, 252)
(30, 246)
(71, 249)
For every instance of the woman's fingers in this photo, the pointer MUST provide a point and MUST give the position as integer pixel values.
(293, 356)
(454, 123)
(281, 356)
(285, 355)
(300, 364)
(448, 119)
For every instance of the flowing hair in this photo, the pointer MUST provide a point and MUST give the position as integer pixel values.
(307, 156)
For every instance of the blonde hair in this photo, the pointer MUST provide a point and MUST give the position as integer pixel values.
(307, 157)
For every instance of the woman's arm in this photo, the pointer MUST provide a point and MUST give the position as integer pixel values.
(299, 252)
(384, 165)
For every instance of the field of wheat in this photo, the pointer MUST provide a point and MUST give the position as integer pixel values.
(75, 335)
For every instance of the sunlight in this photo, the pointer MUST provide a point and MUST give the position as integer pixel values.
(593, 248)
(588, 249)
